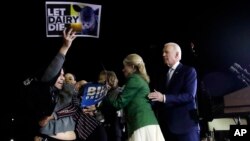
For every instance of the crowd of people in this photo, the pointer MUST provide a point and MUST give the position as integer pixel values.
(127, 112)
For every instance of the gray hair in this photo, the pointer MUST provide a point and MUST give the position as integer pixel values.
(176, 47)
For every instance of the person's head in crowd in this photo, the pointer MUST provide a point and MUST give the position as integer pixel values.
(102, 76)
(134, 63)
(171, 53)
(112, 79)
(70, 78)
(60, 80)
(80, 84)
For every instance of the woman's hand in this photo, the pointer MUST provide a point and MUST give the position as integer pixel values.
(45, 120)
(68, 37)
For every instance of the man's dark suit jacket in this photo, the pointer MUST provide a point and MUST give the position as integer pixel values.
(178, 114)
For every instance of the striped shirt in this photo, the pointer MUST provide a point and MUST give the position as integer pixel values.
(85, 124)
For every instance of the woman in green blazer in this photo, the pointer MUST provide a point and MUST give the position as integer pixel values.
(142, 124)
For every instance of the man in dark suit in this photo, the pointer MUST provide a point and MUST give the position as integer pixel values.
(175, 97)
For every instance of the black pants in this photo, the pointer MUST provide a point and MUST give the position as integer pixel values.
(99, 134)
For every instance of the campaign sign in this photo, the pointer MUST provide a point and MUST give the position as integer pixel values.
(93, 93)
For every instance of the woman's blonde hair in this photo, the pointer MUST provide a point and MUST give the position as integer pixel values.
(137, 61)
(112, 79)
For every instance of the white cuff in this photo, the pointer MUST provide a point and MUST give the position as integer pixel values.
(164, 98)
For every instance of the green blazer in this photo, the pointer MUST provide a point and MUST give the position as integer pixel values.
(136, 105)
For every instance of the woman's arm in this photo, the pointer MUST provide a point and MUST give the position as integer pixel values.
(56, 64)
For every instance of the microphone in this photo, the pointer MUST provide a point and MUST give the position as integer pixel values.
(240, 76)
(244, 73)
(238, 66)
(234, 70)
(242, 70)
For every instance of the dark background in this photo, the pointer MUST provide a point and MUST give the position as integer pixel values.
(220, 32)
